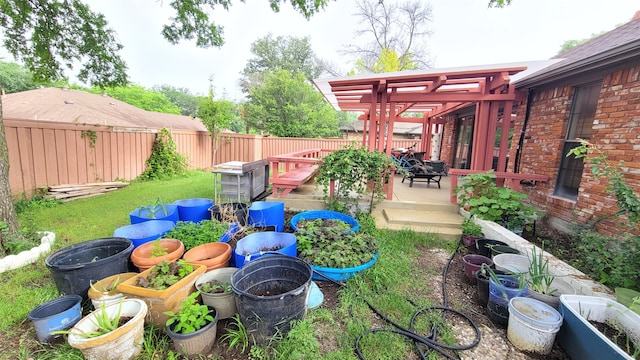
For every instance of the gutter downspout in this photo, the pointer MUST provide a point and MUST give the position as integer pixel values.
(516, 166)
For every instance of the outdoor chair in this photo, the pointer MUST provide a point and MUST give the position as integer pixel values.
(420, 172)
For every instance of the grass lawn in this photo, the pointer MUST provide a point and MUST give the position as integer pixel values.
(328, 332)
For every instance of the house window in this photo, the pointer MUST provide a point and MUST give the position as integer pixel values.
(585, 101)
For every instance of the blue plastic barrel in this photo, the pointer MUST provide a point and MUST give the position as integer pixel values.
(158, 212)
(143, 232)
(55, 315)
(267, 213)
(194, 210)
(255, 245)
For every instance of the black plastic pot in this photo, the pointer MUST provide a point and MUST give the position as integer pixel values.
(483, 246)
(230, 212)
(502, 249)
(76, 266)
(271, 292)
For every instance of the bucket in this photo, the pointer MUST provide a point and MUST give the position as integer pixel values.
(194, 210)
(58, 314)
(472, 263)
(482, 280)
(145, 231)
(270, 293)
(499, 296)
(532, 325)
(167, 212)
(230, 212)
(267, 213)
(76, 266)
(257, 244)
(516, 264)
(324, 214)
(483, 246)
(502, 249)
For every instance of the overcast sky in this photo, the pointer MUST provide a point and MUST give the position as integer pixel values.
(465, 32)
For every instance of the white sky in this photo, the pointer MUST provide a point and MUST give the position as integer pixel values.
(465, 32)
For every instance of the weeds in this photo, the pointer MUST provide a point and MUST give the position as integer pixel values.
(236, 335)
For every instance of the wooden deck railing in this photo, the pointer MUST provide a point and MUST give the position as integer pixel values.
(500, 175)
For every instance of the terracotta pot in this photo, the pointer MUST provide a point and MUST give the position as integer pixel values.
(142, 259)
(212, 255)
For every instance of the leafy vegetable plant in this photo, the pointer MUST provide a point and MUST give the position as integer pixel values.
(192, 316)
(194, 234)
(158, 250)
(165, 274)
(215, 287)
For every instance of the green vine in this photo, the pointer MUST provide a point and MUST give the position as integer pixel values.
(356, 172)
(92, 135)
(626, 200)
(165, 162)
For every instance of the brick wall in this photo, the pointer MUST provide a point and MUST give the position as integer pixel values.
(448, 140)
(615, 131)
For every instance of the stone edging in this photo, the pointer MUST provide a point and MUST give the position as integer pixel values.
(11, 262)
(584, 285)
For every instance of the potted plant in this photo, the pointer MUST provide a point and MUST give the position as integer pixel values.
(333, 250)
(104, 292)
(163, 287)
(111, 332)
(543, 285)
(193, 234)
(193, 328)
(471, 231)
(215, 289)
(501, 289)
(156, 211)
(152, 253)
(598, 328)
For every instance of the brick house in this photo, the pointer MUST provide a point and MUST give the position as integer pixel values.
(593, 93)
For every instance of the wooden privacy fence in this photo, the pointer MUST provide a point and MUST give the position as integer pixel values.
(43, 154)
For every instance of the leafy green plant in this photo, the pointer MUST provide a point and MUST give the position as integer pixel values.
(540, 278)
(165, 274)
(103, 323)
(469, 227)
(165, 161)
(215, 287)
(356, 172)
(482, 198)
(330, 243)
(153, 210)
(236, 335)
(193, 234)
(192, 316)
(101, 288)
(158, 250)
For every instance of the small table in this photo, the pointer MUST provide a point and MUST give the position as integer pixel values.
(256, 174)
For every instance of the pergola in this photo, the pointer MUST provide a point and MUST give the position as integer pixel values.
(388, 98)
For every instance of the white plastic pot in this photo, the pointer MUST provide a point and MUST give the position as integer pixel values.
(532, 325)
(124, 342)
(516, 264)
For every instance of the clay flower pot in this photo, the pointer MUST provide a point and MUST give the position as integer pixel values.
(142, 257)
(212, 255)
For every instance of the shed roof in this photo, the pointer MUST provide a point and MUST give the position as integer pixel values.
(79, 107)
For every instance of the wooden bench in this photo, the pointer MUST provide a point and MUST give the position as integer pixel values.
(292, 170)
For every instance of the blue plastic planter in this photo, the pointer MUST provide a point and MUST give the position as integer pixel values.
(58, 314)
(194, 210)
(143, 232)
(141, 214)
(324, 214)
(267, 213)
(254, 245)
(337, 274)
(233, 229)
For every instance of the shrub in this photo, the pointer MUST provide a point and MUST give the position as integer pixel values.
(165, 162)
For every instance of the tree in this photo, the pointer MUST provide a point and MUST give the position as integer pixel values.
(216, 115)
(286, 105)
(570, 44)
(54, 35)
(15, 78)
(392, 30)
(499, 3)
(140, 97)
(290, 53)
(181, 97)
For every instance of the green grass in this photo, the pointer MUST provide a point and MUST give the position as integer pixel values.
(387, 285)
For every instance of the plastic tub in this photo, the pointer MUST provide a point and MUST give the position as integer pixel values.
(270, 293)
(338, 274)
(267, 213)
(76, 266)
(58, 314)
(516, 264)
(194, 210)
(483, 246)
(502, 249)
(472, 263)
(532, 325)
(142, 214)
(324, 214)
(145, 231)
(499, 296)
(255, 245)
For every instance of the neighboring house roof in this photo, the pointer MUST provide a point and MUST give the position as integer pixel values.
(400, 128)
(79, 107)
(618, 46)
